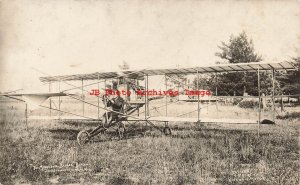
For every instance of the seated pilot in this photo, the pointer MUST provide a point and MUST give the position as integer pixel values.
(116, 102)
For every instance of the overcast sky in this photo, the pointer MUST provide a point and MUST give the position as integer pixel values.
(69, 37)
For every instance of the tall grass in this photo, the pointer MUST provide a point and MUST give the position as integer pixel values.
(194, 154)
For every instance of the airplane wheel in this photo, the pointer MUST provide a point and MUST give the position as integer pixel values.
(82, 137)
(167, 131)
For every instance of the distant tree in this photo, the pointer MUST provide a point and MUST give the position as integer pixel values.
(240, 49)
(290, 82)
(205, 82)
(177, 82)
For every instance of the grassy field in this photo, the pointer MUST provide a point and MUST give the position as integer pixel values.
(47, 153)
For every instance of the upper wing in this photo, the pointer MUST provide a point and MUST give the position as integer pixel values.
(240, 67)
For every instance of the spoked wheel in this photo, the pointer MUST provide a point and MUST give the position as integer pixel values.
(83, 137)
(167, 131)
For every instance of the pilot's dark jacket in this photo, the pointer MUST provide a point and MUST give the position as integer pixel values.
(116, 103)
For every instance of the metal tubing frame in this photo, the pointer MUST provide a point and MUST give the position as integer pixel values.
(98, 97)
(26, 116)
(145, 79)
(82, 96)
(282, 106)
(217, 83)
(166, 83)
(146, 98)
(198, 97)
(137, 82)
(148, 111)
(178, 86)
(259, 98)
(273, 93)
(59, 100)
(50, 103)
(106, 115)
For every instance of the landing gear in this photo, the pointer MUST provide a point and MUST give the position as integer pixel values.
(121, 130)
(83, 137)
(167, 131)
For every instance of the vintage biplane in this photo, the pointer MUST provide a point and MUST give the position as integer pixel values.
(118, 109)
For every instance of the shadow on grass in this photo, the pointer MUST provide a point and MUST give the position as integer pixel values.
(69, 134)
(109, 135)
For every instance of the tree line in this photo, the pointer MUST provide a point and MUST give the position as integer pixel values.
(240, 49)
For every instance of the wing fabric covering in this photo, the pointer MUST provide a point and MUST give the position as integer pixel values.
(34, 101)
